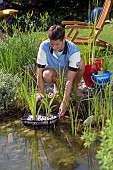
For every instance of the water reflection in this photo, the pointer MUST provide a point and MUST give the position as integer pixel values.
(25, 149)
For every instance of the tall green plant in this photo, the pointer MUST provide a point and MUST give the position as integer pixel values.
(17, 51)
(73, 118)
(61, 83)
(44, 21)
(47, 104)
(90, 53)
(30, 99)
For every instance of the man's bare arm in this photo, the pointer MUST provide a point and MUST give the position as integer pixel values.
(40, 81)
(68, 86)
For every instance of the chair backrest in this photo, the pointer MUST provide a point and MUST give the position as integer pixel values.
(102, 17)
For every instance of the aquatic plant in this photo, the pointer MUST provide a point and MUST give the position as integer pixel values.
(30, 100)
(73, 112)
(47, 103)
(88, 137)
(105, 152)
(61, 83)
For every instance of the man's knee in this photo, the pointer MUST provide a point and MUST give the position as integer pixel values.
(82, 64)
(49, 75)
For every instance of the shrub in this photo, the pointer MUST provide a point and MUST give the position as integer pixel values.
(8, 89)
(105, 153)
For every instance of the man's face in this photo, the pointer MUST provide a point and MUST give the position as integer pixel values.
(57, 45)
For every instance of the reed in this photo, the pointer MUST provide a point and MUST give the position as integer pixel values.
(30, 99)
(73, 129)
(61, 83)
(47, 103)
(27, 93)
(19, 49)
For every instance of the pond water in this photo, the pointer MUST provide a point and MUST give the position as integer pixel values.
(45, 149)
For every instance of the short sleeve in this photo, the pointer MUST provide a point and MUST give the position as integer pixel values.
(41, 57)
(74, 60)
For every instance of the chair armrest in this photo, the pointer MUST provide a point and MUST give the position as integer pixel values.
(82, 27)
(75, 22)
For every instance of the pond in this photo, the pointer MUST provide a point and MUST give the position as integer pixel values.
(44, 149)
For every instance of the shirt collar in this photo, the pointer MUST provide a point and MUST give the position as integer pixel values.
(65, 51)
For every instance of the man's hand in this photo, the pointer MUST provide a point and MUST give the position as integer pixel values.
(62, 109)
(38, 98)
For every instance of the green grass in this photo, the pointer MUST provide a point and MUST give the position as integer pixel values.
(106, 34)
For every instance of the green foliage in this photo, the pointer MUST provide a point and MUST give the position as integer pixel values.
(27, 92)
(107, 62)
(105, 153)
(18, 51)
(44, 18)
(73, 119)
(88, 138)
(30, 99)
(31, 22)
(48, 104)
(61, 83)
(8, 89)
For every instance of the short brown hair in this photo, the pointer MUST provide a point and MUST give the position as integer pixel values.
(56, 32)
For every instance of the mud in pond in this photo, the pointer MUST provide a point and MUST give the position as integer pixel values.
(45, 149)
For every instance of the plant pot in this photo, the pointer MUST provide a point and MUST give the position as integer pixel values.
(99, 63)
(91, 68)
(102, 79)
(42, 120)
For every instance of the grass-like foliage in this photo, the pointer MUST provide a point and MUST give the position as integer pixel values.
(47, 103)
(30, 99)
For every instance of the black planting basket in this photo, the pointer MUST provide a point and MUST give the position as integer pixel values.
(40, 123)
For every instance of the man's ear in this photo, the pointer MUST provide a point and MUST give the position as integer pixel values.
(64, 40)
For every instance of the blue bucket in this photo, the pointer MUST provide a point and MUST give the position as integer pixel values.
(101, 79)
